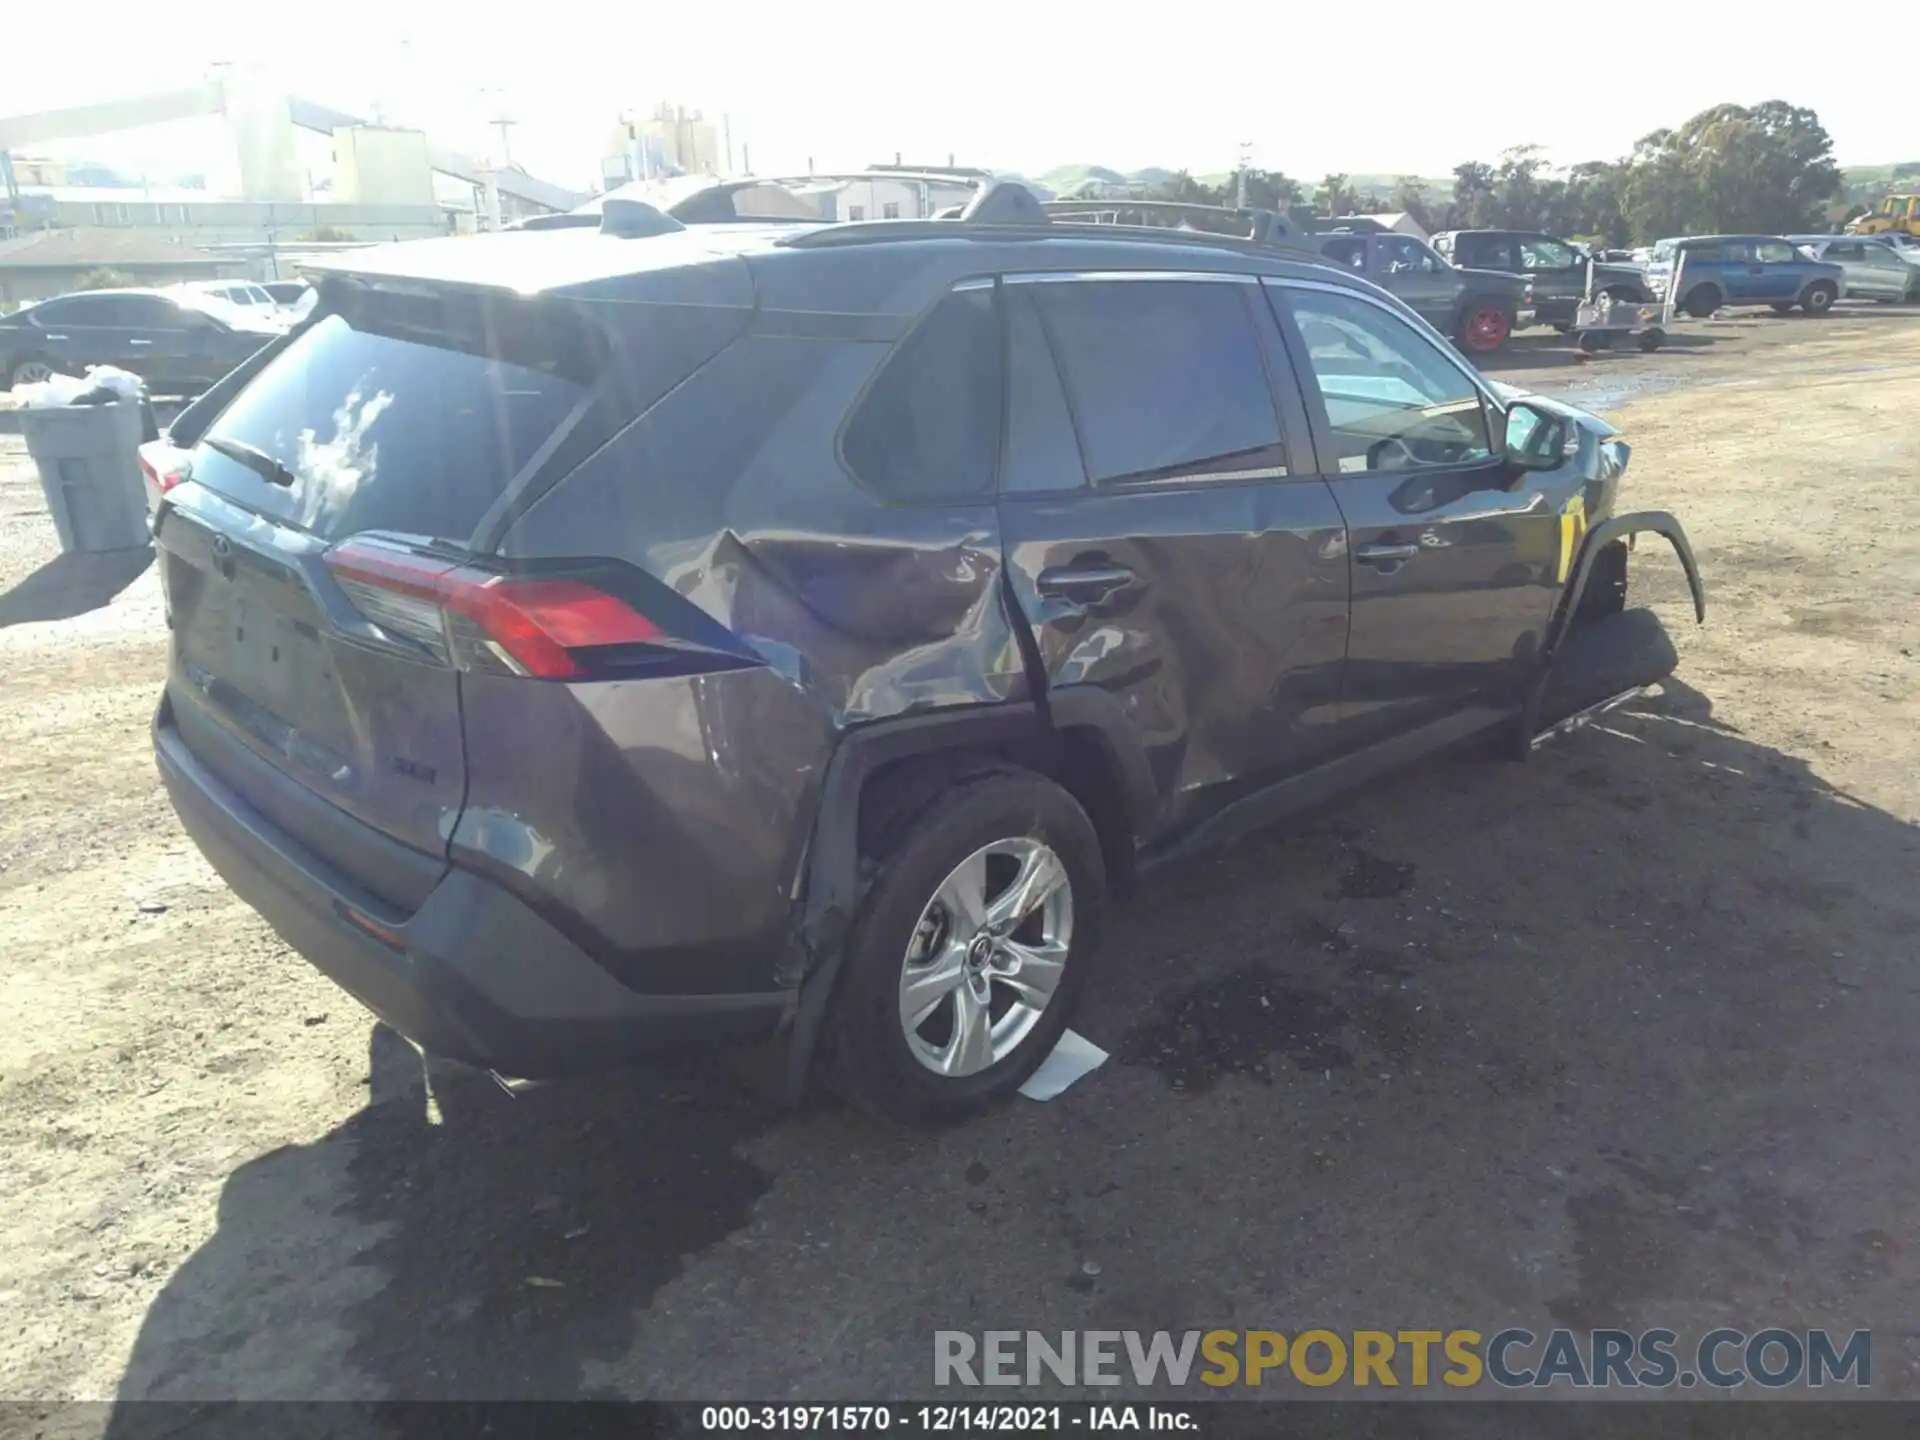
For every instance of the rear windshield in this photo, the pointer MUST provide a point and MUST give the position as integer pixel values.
(403, 412)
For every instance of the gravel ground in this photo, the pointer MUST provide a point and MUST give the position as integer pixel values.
(1623, 1036)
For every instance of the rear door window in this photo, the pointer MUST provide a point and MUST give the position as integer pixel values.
(1163, 379)
(928, 427)
(410, 413)
(1042, 452)
(1404, 255)
(77, 311)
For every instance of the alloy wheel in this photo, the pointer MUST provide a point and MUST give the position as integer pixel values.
(986, 957)
(31, 372)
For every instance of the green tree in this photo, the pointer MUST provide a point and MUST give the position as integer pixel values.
(1766, 168)
(1410, 196)
(104, 278)
(1472, 205)
(1335, 195)
(1269, 189)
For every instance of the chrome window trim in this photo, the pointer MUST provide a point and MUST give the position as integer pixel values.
(1067, 277)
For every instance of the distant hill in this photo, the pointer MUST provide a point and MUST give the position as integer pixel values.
(1907, 172)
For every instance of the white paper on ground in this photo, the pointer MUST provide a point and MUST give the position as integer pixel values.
(1072, 1058)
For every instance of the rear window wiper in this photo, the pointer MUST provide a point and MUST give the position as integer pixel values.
(258, 461)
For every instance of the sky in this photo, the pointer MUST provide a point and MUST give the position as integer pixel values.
(1382, 88)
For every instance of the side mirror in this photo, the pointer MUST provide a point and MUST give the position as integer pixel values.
(1535, 439)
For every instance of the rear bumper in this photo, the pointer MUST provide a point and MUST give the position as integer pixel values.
(474, 974)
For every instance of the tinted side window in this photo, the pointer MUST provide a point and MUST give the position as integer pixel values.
(1164, 379)
(79, 310)
(1496, 252)
(1348, 250)
(929, 425)
(1402, 254)
(1393, 399)
(1539, 252)
(148, 312)
(1041, 453)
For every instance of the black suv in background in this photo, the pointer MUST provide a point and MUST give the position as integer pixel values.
(167, 338)
(1556, 268)
(589, 639)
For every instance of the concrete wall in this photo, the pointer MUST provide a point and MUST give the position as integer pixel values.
(374, 165)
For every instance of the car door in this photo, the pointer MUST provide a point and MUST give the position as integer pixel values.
(1777, 269)
(1418, 276)
(1883, 273)
(1166, 538)
(1559, 277)
(1455, 560)
(155, 335)
(83, 330)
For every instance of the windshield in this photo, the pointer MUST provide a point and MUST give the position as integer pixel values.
(410, 414)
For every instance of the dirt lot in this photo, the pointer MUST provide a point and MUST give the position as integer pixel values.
(1622, 1036)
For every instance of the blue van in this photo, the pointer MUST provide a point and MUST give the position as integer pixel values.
(1718, 271)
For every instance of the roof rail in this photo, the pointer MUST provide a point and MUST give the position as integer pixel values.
(891, 232)
(1247, 222)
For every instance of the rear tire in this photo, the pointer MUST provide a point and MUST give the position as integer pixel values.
(1484, 327)
(927, 935)
(28, 370)
(1819, 298)
(1702, 301)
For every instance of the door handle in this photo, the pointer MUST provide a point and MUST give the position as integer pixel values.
(1385, 554)
(52, 336)
(1084, 583)
(139, 342)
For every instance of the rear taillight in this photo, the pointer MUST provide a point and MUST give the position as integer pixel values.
(552, 627)
(163, 466)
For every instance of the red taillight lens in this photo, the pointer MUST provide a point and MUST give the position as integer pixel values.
(527, 624)
(163, 466)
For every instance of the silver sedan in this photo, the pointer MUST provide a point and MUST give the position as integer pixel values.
(1874, 269)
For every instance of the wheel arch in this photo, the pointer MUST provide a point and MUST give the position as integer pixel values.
(1078, 737)
(1658, 522)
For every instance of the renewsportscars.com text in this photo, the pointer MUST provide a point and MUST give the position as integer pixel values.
(1514, 1358)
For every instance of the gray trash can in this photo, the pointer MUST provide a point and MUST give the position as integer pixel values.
(88, 457)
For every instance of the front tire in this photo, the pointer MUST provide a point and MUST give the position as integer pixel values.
(1819, 298)
(971, 946)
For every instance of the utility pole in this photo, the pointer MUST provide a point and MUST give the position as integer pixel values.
(1240, 175)
(503, 124)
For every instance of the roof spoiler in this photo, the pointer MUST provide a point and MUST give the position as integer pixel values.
(1003, 202)
(635, 219)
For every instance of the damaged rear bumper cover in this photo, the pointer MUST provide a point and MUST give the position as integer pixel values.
(474, 974)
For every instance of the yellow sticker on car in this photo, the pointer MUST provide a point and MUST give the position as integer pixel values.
(1573, 525)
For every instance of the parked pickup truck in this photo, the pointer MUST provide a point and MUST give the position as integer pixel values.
(1557, 268)
(1478, 308)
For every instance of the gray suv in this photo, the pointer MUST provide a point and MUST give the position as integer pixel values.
(590, 640)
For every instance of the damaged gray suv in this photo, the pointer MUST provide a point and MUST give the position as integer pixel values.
(598, 638)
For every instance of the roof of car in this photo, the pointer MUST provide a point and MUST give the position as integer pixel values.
(877, 267)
